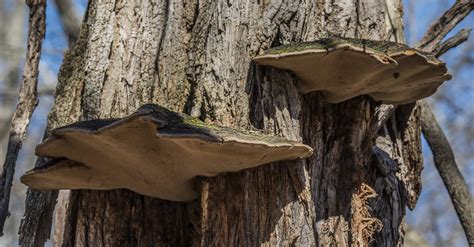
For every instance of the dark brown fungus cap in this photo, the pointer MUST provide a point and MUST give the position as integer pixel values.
(344, 68)
(154, 152)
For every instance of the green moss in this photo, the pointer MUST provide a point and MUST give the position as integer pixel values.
(229, 132)
(322, 44)
(180, 123)
(386, 47)
(195, 122)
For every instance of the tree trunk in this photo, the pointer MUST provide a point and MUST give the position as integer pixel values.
(195, 57)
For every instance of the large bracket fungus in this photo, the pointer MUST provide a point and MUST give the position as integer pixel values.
(343, 68)
(154, 152)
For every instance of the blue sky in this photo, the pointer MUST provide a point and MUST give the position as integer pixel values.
(434, 209)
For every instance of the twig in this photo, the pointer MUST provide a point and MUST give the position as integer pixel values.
(27, 101)
(452, 42)
(439, 29)
(446, 165)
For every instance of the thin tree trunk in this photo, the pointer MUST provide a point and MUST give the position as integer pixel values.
(445, 163)
(12, 53)
(194, 57)
(27, 101)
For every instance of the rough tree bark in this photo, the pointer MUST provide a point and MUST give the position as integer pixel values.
(27, 101)
(194, 57)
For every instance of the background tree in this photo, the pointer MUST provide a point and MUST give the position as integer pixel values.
(195, 58)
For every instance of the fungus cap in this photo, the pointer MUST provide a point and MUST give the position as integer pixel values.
(343, 68)
(154, 152)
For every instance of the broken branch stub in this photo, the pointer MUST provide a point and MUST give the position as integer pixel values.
(343, 68)
(154, 152)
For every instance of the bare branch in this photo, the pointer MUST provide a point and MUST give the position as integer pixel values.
(26, 103)
(440, 147)
(70, 19)
(452, 42)
(446, 165)
(439, 29)
(442, 152)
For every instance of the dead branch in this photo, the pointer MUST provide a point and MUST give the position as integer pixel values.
(440, 28)
(27, 101)
(440, 147)
(446, 165)
(452, 42)
(431, 42)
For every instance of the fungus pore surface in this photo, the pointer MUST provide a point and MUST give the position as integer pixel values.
(343, 68)
(154, 152)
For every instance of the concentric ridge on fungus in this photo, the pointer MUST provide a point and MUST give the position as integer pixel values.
(343, 68)
(154, 152)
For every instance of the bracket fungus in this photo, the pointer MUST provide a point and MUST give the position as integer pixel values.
(343, 68)
(154, 152)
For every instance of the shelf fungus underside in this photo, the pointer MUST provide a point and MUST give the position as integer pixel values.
(344, 68)
(154, 152)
